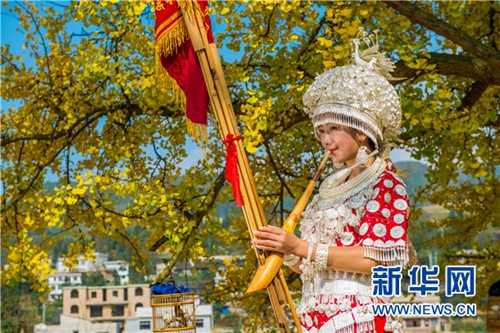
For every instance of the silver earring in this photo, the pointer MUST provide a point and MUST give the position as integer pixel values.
(362, 156)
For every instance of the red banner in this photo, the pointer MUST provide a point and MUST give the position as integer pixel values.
(177, 62)
(232, 175)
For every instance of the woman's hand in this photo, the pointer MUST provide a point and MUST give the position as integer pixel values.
(270, 238)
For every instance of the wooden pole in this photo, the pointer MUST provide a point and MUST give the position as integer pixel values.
(220, 102)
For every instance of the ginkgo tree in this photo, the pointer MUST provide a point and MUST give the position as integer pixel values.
(86, 107)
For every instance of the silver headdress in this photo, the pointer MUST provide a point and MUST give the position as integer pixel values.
(358, 95)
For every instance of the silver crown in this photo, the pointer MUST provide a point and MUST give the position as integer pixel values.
(358, 95)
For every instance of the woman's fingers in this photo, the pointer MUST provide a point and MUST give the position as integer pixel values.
(272, 229)
(267, 248)
(266, 234)
(272, 238)
(267, 244)
(270, 232)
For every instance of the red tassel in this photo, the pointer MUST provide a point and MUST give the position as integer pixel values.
(232, 167)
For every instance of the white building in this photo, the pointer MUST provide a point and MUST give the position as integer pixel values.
(121, 267)
(73, 276)
(142, 323)
(204, 318)
(422, 324)
(84, 265)
(60, 279)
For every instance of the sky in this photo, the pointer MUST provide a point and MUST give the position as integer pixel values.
(11, 35)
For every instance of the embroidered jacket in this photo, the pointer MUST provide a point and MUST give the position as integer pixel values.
(374, 215)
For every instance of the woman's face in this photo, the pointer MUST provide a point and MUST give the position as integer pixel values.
(341, 144)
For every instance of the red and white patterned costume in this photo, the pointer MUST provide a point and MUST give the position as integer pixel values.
(373, 215)
(371, 209)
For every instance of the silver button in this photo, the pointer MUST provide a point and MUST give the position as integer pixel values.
(372, 206)
(347, 238)
(363, 229)
(400, 189)
(400, 204)
(368, 242)
(399, 218)
(400, 242)
(397, 232)
(379, 230)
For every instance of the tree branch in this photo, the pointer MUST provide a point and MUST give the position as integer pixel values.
(475, 92)
(429, 21)
(87, 120)
(198, 218)
(134, 248)
(40, 167)
(45, 49)
(275, 167)
(450, 64)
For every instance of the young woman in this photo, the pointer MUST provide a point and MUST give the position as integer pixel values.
(359, 218)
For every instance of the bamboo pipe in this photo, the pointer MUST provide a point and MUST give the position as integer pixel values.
(227, 116)
(265, 273)
(223, 111)
(254, 215)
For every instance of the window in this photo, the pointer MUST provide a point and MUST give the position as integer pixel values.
(96, 311)
(138, 291)
(93, 294)
(74, 309)
(104, 295)
(199, 322)
(412, 323)
(117, 310)
(144, 325)
(115, 293)
(74, 293)
(138, 305)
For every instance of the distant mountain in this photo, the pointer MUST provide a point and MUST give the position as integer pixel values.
(49, 186)
(413, 174)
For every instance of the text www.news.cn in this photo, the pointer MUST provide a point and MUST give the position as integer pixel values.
(425, 309)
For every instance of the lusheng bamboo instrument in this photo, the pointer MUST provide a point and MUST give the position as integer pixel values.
(220, 101)
(266, 273)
